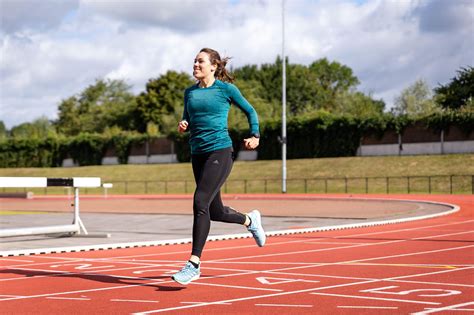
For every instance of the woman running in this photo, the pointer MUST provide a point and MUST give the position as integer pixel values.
(206, 109)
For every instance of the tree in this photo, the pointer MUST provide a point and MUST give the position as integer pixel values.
(163, 101)
(309, 88)
(415, 101)
(3, 130)
(359, 105)
(105, 104)
(458, 92)
(39, 128)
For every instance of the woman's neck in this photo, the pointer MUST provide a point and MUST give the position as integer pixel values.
(207, 82)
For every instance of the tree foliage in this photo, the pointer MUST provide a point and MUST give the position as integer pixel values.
(459, 92)
(162, 103)
(39, 128)
(106, 103)
(416, 101)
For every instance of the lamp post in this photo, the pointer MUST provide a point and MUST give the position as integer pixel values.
(283, 99)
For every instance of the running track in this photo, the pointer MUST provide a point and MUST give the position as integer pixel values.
(419, 267)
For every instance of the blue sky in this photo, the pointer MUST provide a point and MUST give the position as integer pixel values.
(53, 49)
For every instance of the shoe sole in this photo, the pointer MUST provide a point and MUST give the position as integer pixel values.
(185, 283)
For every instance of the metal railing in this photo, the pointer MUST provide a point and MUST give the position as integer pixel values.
(435, 184)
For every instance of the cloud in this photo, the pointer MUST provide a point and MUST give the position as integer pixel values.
(446, 16)
(187, 16)
(21, 15)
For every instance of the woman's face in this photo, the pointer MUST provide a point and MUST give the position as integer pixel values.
(202, 67)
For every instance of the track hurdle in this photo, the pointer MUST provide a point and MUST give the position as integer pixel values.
(77, 227)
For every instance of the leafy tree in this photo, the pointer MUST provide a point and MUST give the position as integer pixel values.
(266, 109)
(331, 79)
(105, 104)
(458, 92)
(163, 101)
(358, 104)
(3, 130)
(312, 87)
(38, 129)
(415, 101)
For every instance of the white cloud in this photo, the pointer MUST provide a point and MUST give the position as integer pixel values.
(389, 44)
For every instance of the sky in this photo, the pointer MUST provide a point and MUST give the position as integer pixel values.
(53, 49)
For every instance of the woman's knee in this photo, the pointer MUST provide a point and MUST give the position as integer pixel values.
(200, 204)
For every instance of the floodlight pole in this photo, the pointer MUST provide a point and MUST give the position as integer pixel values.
(283, 99)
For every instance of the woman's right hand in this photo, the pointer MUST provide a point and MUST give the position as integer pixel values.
(182, 126)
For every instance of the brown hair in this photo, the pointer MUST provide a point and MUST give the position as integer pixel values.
(215, 59)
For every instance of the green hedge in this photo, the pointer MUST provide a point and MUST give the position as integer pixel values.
(323, 135)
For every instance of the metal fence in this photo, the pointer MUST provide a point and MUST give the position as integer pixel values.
(435, 184)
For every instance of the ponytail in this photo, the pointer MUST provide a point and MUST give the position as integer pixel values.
(215, 59)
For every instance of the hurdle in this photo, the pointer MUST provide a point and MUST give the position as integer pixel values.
(77, 227)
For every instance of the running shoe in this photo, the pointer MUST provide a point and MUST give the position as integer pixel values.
(187, 274)
(256, 227)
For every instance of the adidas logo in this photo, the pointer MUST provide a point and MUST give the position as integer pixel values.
(215, 162)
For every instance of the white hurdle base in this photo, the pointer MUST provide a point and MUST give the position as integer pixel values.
(77, 228)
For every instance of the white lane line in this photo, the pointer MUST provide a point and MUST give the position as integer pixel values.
(268, 244)
(285, 305)
(237, 286)
(446, 308)
(252, 297)
(20, 260)
(375, 298)
(204, 302)
(359, 279)
(240, 247)
(370, 307)
(134, 301)
(456, 309)
(67, 298)
(229, 275)
(344, 247)
(291, 292)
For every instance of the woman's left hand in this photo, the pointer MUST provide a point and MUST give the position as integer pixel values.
(251, 143)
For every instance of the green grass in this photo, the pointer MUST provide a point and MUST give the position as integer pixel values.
(256, 172)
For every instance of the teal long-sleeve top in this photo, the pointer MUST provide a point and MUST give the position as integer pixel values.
(206, 110)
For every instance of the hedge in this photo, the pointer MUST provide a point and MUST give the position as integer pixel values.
(324, 135)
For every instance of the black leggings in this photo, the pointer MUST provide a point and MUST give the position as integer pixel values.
(210, 172)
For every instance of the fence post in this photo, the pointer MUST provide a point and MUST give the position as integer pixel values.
(429, 185)
(146, 187)
(408, 184)
(325, 186)
(451, 184)
(245, 186)
(185, 186)
(126, 187)
(166, 186)
(366, 185)
(265, 185)
(345, 185)
(305, 186)
(387, 179)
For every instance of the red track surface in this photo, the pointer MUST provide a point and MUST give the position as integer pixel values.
(423, 267)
